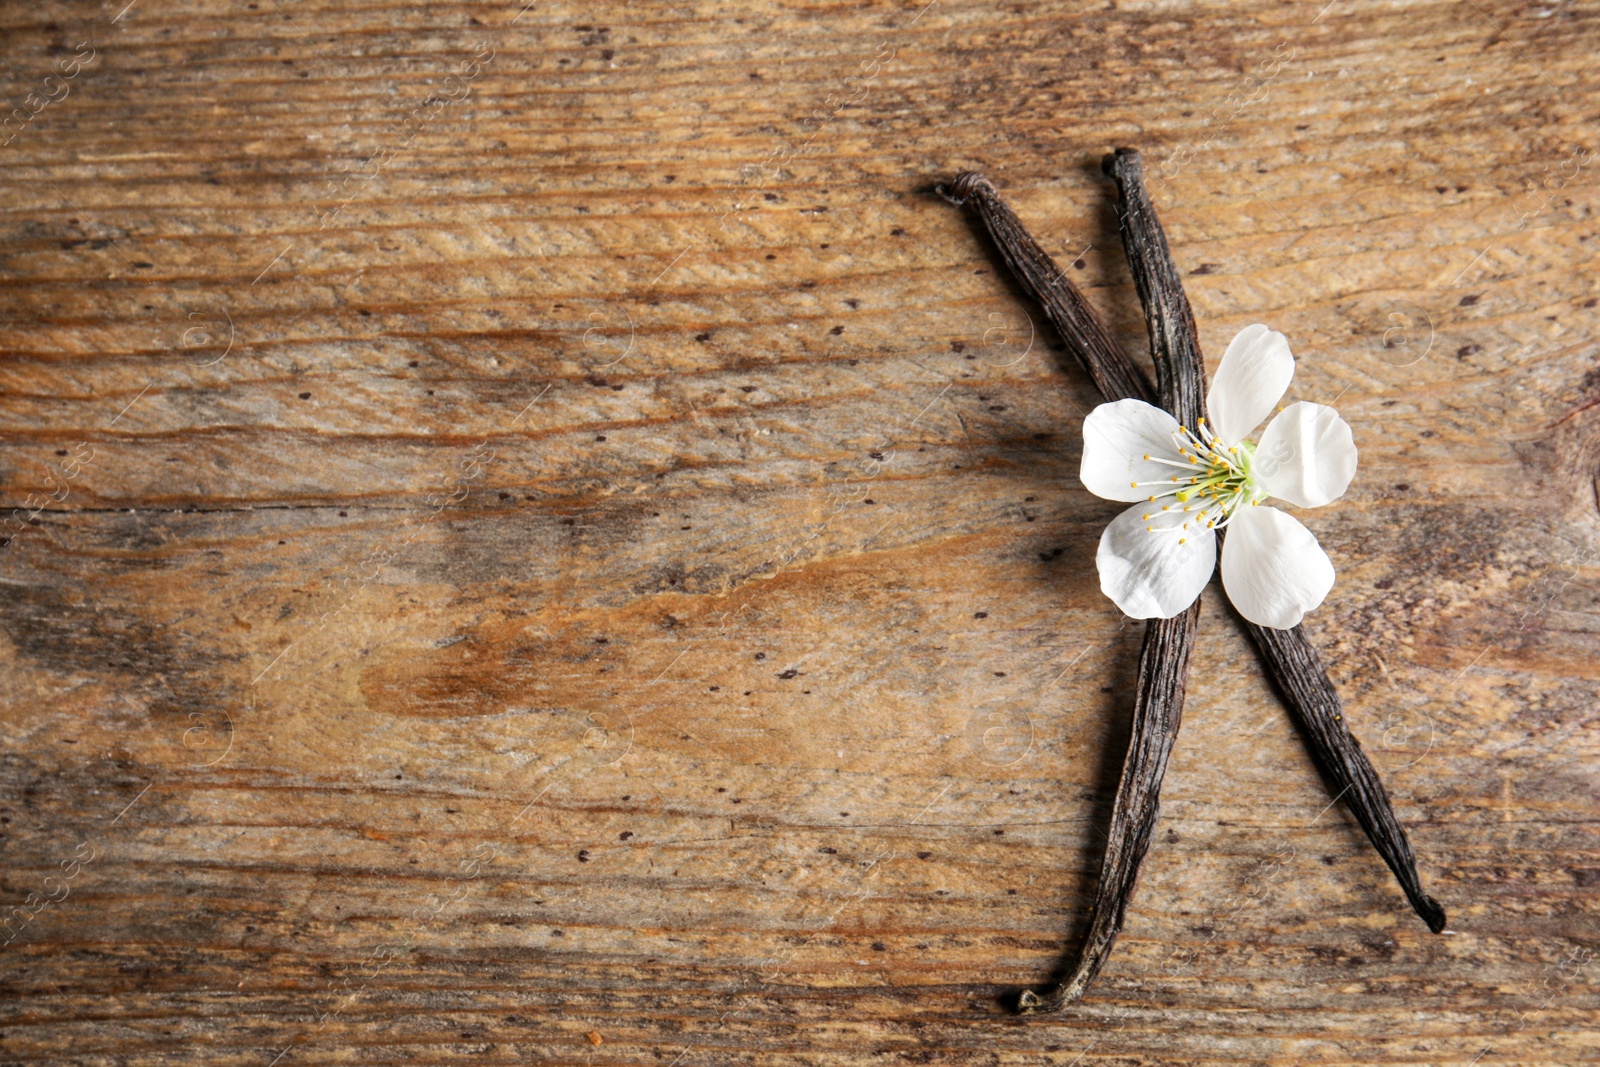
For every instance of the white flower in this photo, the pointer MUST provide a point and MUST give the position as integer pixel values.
(1155, 557)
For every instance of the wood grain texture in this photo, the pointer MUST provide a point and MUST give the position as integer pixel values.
(583, 562)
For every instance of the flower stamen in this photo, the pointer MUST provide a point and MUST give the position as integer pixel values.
(1222, 481)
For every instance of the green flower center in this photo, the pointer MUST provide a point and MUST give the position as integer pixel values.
(1212, 481)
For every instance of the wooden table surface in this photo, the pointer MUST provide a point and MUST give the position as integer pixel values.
(534, 537)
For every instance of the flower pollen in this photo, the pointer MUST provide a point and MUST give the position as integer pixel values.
(1211, 481)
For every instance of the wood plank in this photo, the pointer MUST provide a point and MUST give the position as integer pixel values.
(589, 565)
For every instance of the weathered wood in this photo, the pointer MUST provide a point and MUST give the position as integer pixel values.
(213, 678)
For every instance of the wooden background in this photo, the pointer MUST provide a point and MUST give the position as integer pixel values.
(534, 537)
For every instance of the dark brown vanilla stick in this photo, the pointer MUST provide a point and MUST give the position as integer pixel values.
(1298, 673)
(1164, 660)
(1289, 656)
(1164, 657)
(1174, 340)
(1047, 283)
(1157, 711)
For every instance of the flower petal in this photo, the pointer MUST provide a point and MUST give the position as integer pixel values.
(1116, 438)
(1254, 375)
(1150, 575)
(1307, 455)
(1273, 568)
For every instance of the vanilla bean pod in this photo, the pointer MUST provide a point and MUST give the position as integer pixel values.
(1298, 673)
(1289, 656)
(1164, 656)
(1164, 659)
(1157, 712)
(1108, 366)
(1174, 340)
